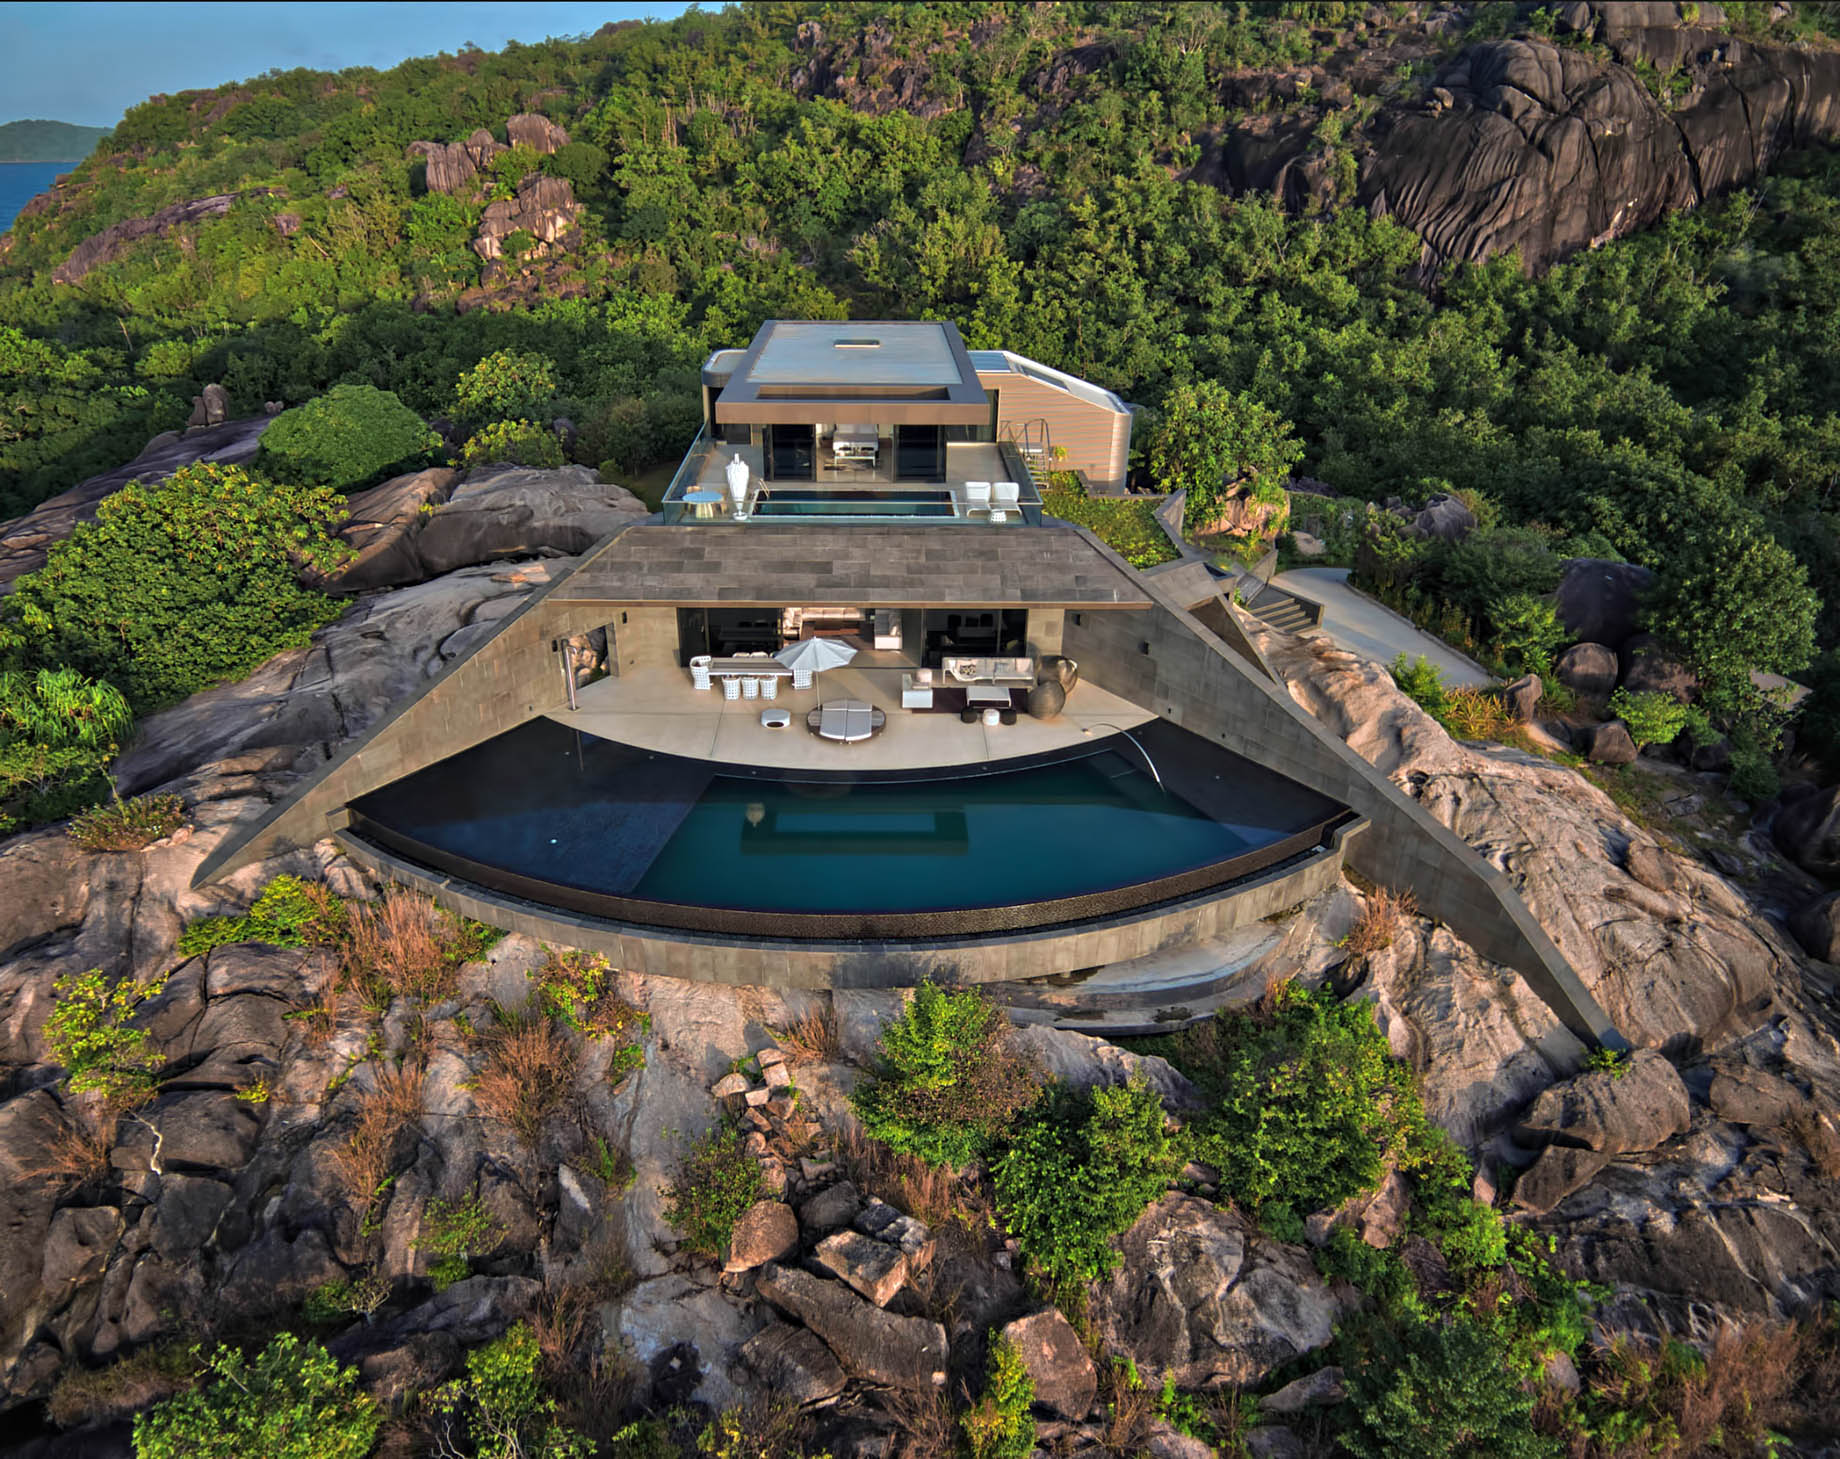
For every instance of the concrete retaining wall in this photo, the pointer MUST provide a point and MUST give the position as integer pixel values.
(1168, 662)
(785, 964)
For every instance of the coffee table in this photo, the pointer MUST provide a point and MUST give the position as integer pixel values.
(703, 503)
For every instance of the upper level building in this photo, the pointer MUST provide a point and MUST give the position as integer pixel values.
(854, 421)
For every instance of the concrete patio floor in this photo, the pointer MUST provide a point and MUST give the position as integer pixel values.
(657, 709)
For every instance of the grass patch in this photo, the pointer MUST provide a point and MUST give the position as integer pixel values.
(86, 1396)
(717, 1181)
(453, 1233)
(528, 1075)
(390, 1106)
(1127, 525)
(1381, 918)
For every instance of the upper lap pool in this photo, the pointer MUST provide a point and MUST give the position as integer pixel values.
(554, 816)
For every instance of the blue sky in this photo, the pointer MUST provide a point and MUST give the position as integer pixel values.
(88, 63)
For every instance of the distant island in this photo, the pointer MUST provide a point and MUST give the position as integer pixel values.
(41, 141)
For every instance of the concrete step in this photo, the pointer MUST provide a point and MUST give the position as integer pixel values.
(1163, 991)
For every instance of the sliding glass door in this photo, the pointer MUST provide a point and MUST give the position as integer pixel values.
(919, 453)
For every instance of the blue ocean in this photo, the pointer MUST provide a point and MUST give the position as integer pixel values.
(20, 182)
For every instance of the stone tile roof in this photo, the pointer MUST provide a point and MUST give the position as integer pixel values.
(711, 565)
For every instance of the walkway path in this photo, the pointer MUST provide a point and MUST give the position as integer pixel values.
(1354, 621)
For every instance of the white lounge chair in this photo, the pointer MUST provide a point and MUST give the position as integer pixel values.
(1005, 496)
(977, 496)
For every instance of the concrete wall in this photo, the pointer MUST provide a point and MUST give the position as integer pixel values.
(779, 963)
(643, 638)
(1168, 662)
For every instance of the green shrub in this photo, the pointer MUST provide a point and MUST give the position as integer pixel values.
(1652, 717)
(1079, 1169)
(501, 1407)
(128, 825)
(182, 584)
(512, 443)
(1436, 1389)
(1422, 683)
(1753, 773)
(716, 1183)
(91, 1033)
(295, 1401)
(340, 1300)
(453, 1233)
(289, 913)
(947, 1082)
(1309, 1103)
(576, 988)
(348, 438)
(1527, 633)
(58, 731)
(999, 1425)
(1212, 439)
(1127, 525)
(507, 385)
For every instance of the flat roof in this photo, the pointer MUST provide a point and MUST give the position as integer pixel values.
(756, 563)
(903, 372)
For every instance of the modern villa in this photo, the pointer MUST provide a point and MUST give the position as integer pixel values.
(851, 710)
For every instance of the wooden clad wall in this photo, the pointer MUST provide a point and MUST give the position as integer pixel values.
(1096, 439)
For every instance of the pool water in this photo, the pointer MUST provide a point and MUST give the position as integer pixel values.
(560, 809)
(784, 502)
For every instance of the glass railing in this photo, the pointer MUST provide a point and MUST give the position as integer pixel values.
(942, 503)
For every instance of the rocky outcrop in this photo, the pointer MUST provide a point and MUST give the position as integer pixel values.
(538, 133)
(1601, 602)
(212, 408)
(117, 238)
(1536, 147)
(877, 1346)
(448, 166)
(1667, 947)
(1648, 668)
(25, 541)
(1608, 743)
(1589, 670)
(1204, 1299)
(1808, 832)
(1065, 1380)
(1613, 1112)
(543, 207)
(424, 524)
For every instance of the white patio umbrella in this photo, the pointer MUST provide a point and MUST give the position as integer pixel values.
(816, 654)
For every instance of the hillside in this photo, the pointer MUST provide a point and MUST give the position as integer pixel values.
(40, 141)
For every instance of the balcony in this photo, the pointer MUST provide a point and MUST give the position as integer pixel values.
(860, 488)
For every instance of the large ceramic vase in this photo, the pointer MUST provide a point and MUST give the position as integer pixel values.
(1058, 669)
(1046, 700)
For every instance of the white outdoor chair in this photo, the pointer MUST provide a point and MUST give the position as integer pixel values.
(731, 688)
(699, 672)
(977, 496)
(1005, 496)
(750, 687)
(801, 678)
(769, 686)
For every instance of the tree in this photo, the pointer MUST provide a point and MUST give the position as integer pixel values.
(1527, 633)
(1213, 439)
(180, 584)
(947, 1083)
(506, 385)
(1732, 599)
(295, 1401)
(58, 731)
(1079, 1169)
(1652, 717)
(349, 437)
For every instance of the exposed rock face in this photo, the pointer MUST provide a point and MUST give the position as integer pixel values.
(113, 241)
(1808, 831)
(1608, 744)
(1204, 1299)
(767, 1231)
(1522, 696)
(212, 408)
(1533, 146)
(906, 1352)
(1588, 670)
(1636, 1108)
(1065, 1380)
(793, 1364)
(544, 207)
(450, 167)
(1444, 517)
(1817, 927)
(26, 540)
(1665, 945)
(1648, 668)
(536, 132)
(1601, 602)
(422, 525)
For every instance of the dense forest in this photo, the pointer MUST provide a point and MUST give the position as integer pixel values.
(37, 141)
(1037, 173)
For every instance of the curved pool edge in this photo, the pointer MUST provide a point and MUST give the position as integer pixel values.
(791, 962)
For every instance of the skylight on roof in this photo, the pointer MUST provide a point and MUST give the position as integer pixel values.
(858, 344)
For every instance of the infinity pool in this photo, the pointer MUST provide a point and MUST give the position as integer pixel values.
(553, 815)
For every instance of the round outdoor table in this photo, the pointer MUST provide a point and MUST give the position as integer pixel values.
(703, 503)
